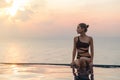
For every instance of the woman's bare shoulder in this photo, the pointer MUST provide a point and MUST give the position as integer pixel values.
(76, 38)
(90, 37)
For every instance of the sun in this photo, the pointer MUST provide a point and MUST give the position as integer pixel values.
(16, 5)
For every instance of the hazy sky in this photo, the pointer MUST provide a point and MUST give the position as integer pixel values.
(58, 18)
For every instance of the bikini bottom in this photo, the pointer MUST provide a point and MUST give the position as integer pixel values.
(78, 56)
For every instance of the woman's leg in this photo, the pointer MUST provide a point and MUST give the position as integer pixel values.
(85, 64)
(90, 66)
(91, 69)
(83, 60)
(77, 62)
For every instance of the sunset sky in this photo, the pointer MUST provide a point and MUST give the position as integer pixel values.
(58, 18)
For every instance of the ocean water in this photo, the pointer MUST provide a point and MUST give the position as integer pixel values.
(107, 51)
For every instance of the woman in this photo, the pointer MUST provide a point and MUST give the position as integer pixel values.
(82, 45)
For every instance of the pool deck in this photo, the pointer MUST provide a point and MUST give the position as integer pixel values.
(51, 72)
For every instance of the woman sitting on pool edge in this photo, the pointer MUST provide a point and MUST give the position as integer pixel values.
(82, 44)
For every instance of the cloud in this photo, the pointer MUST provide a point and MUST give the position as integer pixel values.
(42, 19)
(4, 4)
(23, 15)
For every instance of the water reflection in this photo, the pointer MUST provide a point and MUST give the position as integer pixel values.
(15, 69)
(49, 72)
(13, 53)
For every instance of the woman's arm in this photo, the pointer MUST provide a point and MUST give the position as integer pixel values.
(91, 49)
(74, 50)
(73, 70)
(92, 56)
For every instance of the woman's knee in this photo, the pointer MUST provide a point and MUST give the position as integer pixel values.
(82, 59)
(82, 62)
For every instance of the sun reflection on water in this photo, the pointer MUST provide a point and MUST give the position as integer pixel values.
(13, 53)
(15, 69)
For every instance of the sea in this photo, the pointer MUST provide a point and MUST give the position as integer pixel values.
(20, 59)
(106, 50)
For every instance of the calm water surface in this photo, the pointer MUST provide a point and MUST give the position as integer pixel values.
(107, 51)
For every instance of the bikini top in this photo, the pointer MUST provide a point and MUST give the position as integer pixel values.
(80, 44)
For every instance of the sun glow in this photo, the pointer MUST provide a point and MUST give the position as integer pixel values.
(16, 5)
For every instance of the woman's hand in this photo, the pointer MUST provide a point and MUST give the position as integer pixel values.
(72, 64)
(91, 61)
(73, 68)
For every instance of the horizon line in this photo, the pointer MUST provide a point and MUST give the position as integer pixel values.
(62, 64)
